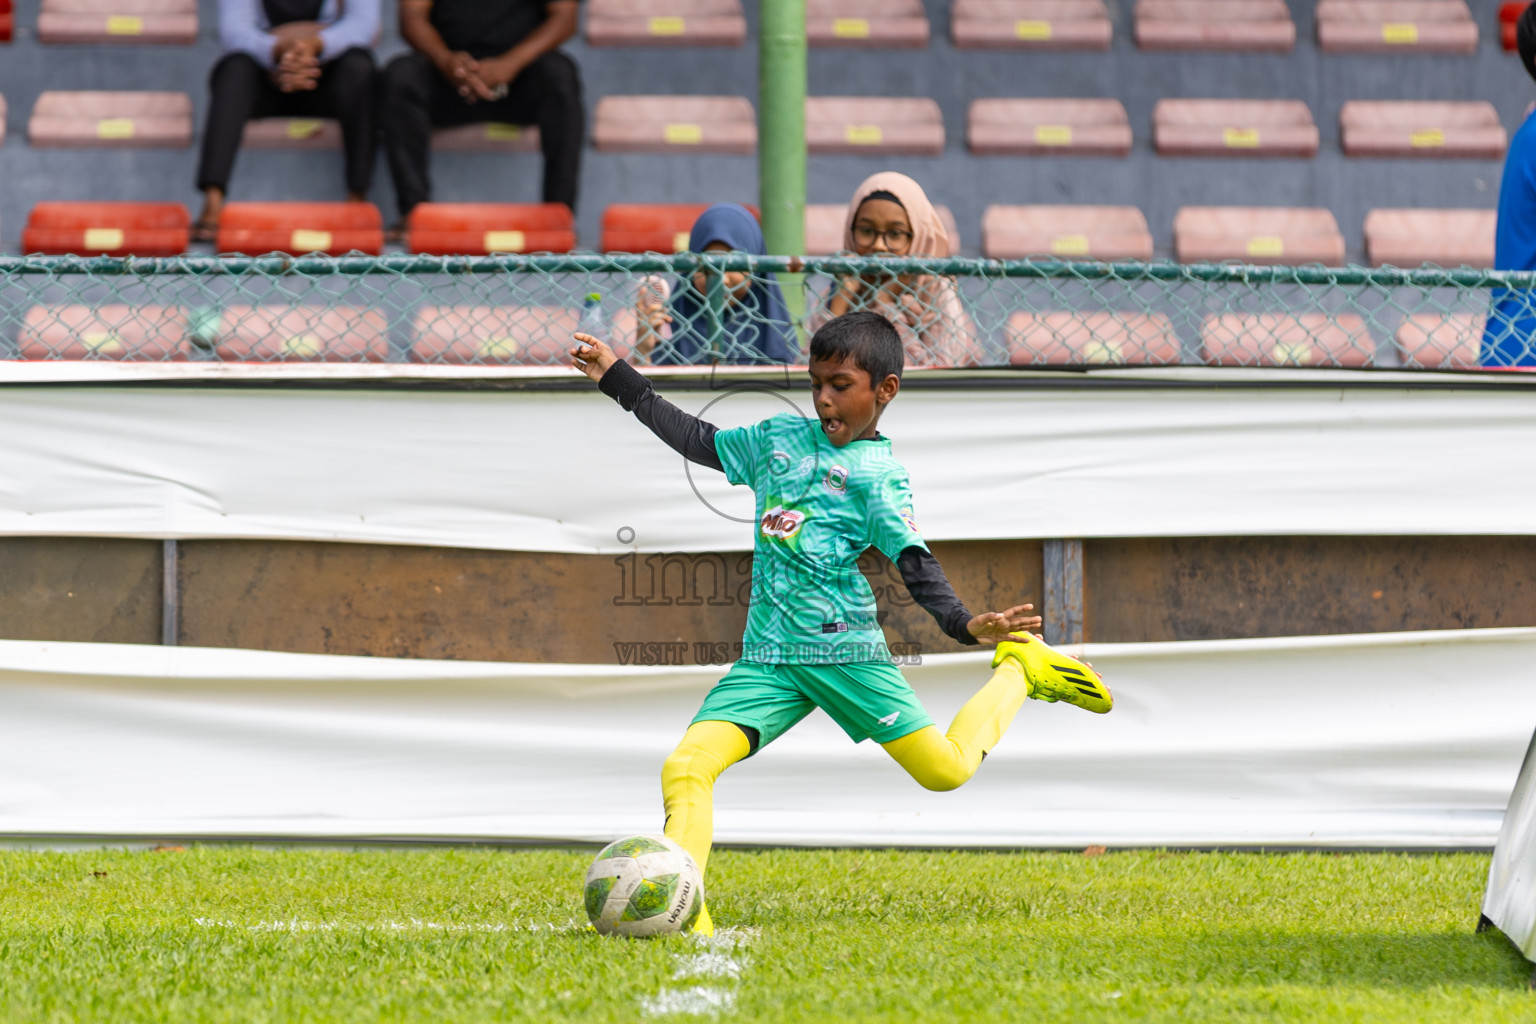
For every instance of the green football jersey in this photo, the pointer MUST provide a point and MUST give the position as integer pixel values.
(819, 508)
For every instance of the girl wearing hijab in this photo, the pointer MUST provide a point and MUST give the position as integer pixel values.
(755, 325)
(890, 216)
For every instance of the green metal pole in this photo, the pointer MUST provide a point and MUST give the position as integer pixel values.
(781, 136)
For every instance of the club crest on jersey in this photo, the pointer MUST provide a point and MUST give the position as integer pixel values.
(908, 518)
(836, 479)
(782, 522)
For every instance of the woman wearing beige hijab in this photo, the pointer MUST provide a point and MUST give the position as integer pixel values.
(891, 216)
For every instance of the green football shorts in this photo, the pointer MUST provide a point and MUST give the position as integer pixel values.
(867, 699)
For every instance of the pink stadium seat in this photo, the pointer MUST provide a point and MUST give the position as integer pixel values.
(665, 23)
(1396, 26)
(1065, 232)
(107, 229)
(298, 228)
(292, 133)
(2, 120)
(887, 23)
(262, 334)
(1031, 24)
(111, 119)
(1448, 238)
(1283, 339)
(1048, 127)
(450, 229)
(1422, 129)
(487, 137)
(661, 124)
(1264, 128)
(1257, 234)
(883, 125)
(1441, 341)
(117, 331)
(824, 228)
(651, 227)
(1253, 25)
(118, 21)
(1080, 338)
(517, 335)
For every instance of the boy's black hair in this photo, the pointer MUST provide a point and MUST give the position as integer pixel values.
(867, 338)
(1525, 39)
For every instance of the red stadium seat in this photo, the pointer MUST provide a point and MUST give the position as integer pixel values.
(107, 229)
(824, 228)
(1031, 24)
(1396, 26)
(487, 137)
(518, 335)
(450, 229)
(1422, 129)
(1448, 238)
(116, 119)
(1509, 16)
(1048, 127)
(1246, 128)
(118, 21)
(263, 334)
(298, 228)
(7, 21)
(887, 23)
(292, 133)
(1257, 234)
(1441, 341)
(878, 125)
(1251, 25)
(1065, 232)
(665, 23)
(662, 124)
(1283, 339)
(117, 331)
(651, 227)
(1085, 339)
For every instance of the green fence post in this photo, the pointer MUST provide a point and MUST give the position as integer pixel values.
(781, 137)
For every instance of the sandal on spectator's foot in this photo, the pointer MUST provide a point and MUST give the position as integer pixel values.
(205, 230)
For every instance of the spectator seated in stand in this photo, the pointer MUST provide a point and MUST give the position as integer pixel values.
(293, 58)
(1507, 340)
(482, 60)
(755, 325)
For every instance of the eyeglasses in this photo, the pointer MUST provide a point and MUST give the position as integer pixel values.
(896, 239)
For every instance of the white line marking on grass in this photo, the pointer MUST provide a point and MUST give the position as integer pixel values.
(709, 965)
(699, 1000)
(409, 925)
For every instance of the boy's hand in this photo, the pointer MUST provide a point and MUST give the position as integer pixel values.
(592, 357)
(994, 627)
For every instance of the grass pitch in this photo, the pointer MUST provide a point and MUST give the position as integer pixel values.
(235, 934)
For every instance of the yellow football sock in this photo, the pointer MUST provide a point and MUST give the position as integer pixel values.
(688, 791)
(948, 761)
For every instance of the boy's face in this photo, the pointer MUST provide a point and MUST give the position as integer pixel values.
(847, 404)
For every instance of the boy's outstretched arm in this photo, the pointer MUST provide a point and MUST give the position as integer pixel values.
(929, 587)
(689, 436)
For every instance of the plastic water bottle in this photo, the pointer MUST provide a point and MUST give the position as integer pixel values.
(593, 321)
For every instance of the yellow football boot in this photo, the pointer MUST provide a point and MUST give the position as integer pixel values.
(1054, 676)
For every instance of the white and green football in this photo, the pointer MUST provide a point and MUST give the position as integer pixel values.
(643, 886)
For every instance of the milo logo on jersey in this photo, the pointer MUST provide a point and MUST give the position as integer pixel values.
(782, 523)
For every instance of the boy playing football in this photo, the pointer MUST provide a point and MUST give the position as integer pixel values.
(826, 490)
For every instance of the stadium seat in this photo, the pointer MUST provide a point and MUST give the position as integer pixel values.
(1396, 26)
(264, 334)
(487, 137)
(1257, 234)
(1262, 128)
(118, 21)
(824, 228)
(665, 23)
(1091, 338)
(298, 228)
(1250, 25)
(292, 133)
(1284, 339)
(1448, 238)
(663, 124)
(106, 229)
(116, 331)
(7, 21)
(649, 227)
(74, 119)
(1422, 129)
(1441, 341)
(1065, 232)
(451, 229)
(1031, 24)
(878, 125)
(2, 120)
(887, 23)
(1509, 17)
(1048, 127)
(517, 335)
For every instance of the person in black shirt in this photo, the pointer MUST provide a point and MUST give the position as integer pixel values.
(476, 61)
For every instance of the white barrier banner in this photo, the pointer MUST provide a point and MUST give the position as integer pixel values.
(1396, 740)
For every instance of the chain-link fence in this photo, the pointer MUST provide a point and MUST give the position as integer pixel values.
(728, 308)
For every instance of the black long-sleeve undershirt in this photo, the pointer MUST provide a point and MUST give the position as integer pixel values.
(694, 440)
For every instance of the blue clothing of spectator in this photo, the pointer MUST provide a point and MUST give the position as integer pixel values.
(245, 26)
(1507, 340)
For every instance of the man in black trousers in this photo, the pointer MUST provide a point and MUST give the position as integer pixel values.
(482, 60)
